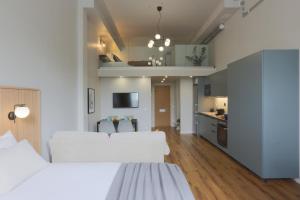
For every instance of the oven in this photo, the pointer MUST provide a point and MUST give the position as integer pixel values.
(222, 134)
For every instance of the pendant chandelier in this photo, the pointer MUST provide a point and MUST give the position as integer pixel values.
(159, 41)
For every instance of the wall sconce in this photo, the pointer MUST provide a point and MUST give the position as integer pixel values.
(101, 43)
(20, 111)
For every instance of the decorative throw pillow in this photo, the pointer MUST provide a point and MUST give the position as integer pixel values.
(7, 140)
(18, 163)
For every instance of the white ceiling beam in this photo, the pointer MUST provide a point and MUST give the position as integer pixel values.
(86, 3)
(220, 15)
(109, 23)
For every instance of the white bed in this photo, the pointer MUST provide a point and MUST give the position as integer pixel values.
(67, 182)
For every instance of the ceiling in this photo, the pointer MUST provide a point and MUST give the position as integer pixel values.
(181, 19)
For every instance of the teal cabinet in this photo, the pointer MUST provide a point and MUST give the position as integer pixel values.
(216, 84)
(208, 128)
(263, 107)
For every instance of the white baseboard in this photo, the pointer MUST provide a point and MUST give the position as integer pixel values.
(297, 180)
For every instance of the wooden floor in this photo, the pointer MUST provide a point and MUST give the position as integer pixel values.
(214, 175)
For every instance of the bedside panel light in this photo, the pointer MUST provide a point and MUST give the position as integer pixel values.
(20, 111)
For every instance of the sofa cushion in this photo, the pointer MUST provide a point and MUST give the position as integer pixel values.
(99, 147)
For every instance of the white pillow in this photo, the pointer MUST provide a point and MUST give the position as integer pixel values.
(18, 163)
(7, 140)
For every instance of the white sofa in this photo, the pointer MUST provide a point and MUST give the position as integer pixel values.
(100, 147)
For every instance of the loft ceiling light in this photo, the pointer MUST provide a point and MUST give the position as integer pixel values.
(101, 44)
(159, 40)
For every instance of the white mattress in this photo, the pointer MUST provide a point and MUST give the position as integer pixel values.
(67, 181)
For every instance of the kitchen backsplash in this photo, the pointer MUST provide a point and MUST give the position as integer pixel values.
(221, 103)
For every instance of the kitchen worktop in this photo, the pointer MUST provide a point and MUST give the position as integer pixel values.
(213, 115)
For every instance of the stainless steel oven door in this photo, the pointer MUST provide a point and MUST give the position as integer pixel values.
(222, 134)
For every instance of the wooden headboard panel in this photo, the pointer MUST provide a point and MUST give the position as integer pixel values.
(28, 128)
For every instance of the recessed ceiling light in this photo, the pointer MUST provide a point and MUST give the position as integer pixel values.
(191, 76)
(221, 26)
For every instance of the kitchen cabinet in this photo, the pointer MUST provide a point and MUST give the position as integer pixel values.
(207, 128)
(216, 84)
(263, 120)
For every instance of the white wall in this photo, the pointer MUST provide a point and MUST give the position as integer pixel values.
(177, 96)
(93, 79)
(186, 105)
(38, 50)
(273, 25)
(173, 104)
(152, 106)
(141, 85)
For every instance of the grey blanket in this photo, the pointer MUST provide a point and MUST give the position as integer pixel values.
(149, 181)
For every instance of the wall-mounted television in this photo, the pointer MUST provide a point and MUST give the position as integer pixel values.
(126, 100)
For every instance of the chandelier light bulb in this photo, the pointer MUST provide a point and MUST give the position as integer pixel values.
(150, 58)
(150, 45)
(161, 48)
(157, 36)
(149, 63)
(161, 58)
(167, 42)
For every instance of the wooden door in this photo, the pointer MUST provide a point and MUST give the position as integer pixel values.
(162, 106)
(8, 98)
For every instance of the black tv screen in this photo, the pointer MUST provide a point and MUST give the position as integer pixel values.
(126, 100)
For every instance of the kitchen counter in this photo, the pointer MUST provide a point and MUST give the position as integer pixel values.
(213, 115)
